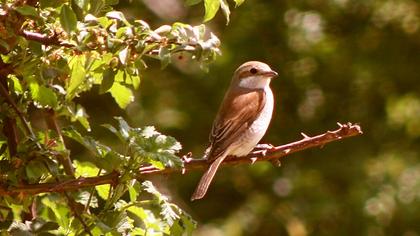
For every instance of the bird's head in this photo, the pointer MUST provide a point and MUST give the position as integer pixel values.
(253, 75)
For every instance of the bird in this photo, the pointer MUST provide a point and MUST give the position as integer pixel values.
(242, 119)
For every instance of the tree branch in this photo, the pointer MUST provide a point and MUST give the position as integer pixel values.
(273, 153)
(47, 40)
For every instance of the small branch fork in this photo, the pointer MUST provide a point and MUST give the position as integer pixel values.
(268, 154)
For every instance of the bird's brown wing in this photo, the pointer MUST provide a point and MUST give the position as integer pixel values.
(238, 111)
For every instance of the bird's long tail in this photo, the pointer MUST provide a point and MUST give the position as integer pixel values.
(206, 179)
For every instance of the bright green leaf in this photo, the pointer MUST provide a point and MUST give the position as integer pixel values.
(85, 169)
(77, 76)
(42, 96)
(103, 190)
(211, 8)
(122, 95)
(134, 80)
(68, 19)
(238, 2)
(17, 87)
(27, 10)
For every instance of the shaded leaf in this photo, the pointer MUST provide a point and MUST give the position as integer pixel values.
(107, 80)
(68, 19)
(27, 10)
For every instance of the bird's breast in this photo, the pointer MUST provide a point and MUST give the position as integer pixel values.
(257, 129)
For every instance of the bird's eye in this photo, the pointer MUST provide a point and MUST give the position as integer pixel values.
(253, 71)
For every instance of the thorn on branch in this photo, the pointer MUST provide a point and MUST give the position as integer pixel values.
(304, 135)
(275, 153)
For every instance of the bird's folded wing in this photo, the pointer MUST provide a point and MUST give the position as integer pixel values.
(238, 111)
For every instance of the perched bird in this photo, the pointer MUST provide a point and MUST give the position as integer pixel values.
(242, 119)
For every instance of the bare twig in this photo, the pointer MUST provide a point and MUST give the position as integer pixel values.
(64, 159)
(52, 39)
(344, 131)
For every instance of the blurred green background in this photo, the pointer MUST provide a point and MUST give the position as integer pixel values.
(338, 60)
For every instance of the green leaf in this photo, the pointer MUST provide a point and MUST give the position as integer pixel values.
(238, 2)
(77, 76)
(134, 79)
(165, 57)
(42, 96)
(225, 9)
(211, 8)
(122, 95)
(16, 85)
(103, 191)
(27, 10)
(107, 80)
(68, 19)
(85, 169)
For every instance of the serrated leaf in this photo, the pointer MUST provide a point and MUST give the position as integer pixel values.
(42, 96)
(122, 95)
(27, 10)
(68, 19)
(225, 9)
(211, 7)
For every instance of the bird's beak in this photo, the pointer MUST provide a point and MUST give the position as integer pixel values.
(270, 73)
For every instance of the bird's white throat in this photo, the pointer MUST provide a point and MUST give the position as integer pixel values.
(254, 82)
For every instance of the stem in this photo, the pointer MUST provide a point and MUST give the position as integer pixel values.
(344, 131)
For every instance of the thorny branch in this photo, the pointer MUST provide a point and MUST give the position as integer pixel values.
(273, 153)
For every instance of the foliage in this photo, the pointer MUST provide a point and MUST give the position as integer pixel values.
(51, 53)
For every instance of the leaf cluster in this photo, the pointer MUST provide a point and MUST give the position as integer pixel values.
(51, 53)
